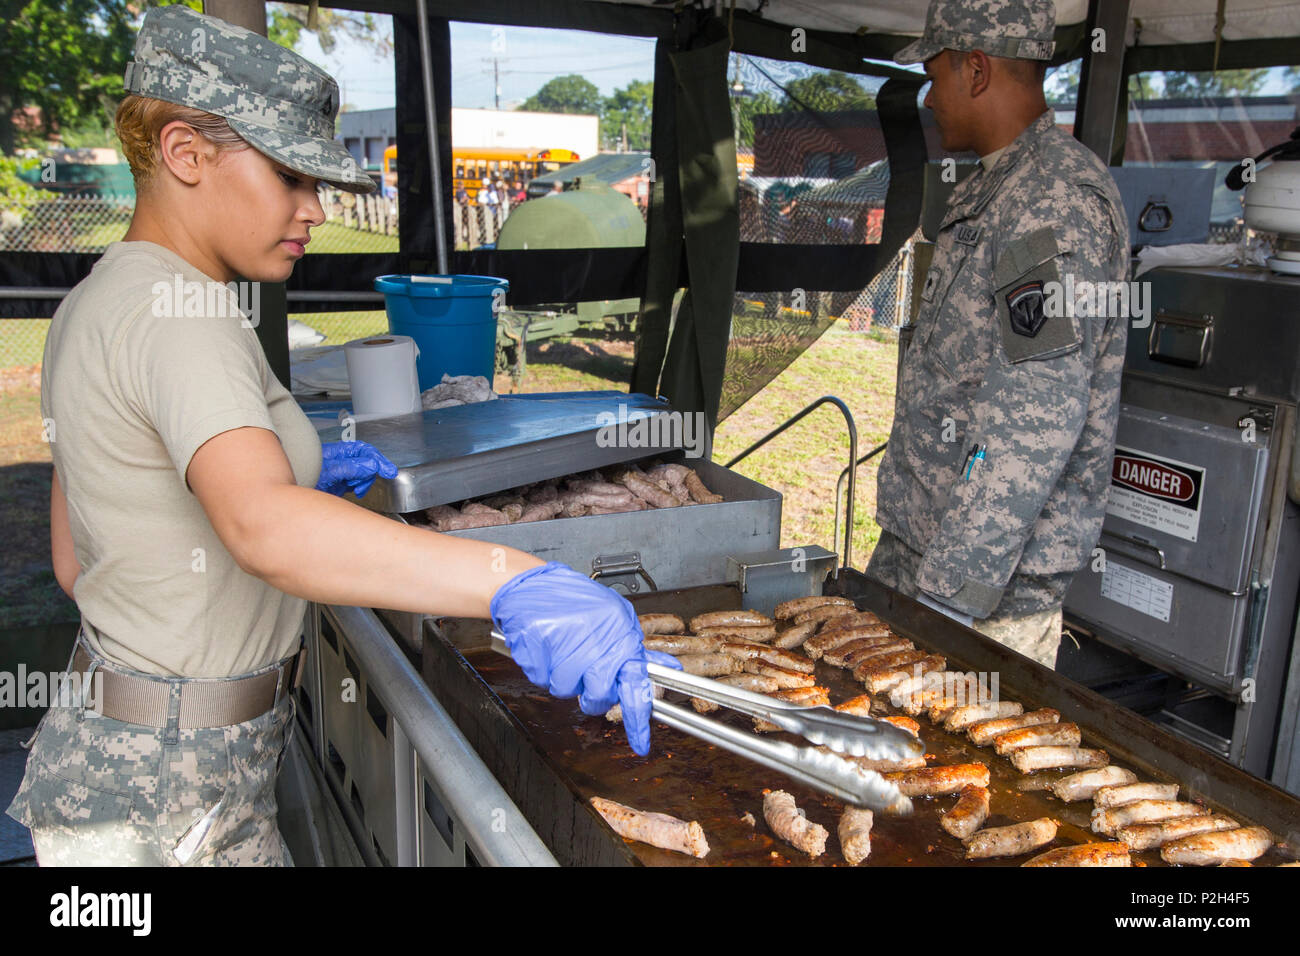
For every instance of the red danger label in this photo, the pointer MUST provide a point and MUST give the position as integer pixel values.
(1153, 478)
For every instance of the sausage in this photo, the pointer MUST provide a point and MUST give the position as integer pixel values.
(1148, 836)
(661, 623)
(968, 813)
(710, 665)
(632, 504)
(606, 488)
(1109, 819)
(823, 612)
(1084, 854)
(773, 655)
(755, 682)
(963, 717)
(851, 653)
(753, 633)
(969, 691)
(794, 635)
(854, 832)
(784, 677)
(540, 510)
(787, 659)
(803, 696)
(860, 705)
(944, 692)
(789, 823)
(1081, 786)
(1205, 849)
(982, 734)
(932, 781)
(698, 491)
(656, 829)
(671, 472)
(1045, 758)
(683, 644)
(886, 680)
(816, 646)
(615, 714)
(728, 619)
(1044, 735)
(1011, 841)
(438, 512)
(478, 519)
(852, 619)
(476, 508)
(647, 490)
(1115, 796)
(797, 605)
(898, 720)
(887, 661)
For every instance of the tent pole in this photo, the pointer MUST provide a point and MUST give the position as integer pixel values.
(431, 122)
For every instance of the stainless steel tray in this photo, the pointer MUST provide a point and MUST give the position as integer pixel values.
(450, 454)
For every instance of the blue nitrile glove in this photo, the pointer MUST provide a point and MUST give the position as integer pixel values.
(352, 466)
(576, 637)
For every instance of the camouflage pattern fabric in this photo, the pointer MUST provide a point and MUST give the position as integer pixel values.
(103, 792)
(283, 105)
(1020, 29)
(1038, 391)
(1034, 634)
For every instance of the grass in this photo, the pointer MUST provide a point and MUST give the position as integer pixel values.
(803, 463)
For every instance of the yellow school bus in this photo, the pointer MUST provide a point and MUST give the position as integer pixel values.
(472, 164)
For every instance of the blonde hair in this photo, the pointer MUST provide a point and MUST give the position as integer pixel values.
(140, 119)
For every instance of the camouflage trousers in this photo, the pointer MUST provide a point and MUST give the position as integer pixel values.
(1037, 634)
(102, 792)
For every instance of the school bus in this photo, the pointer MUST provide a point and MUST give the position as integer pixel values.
(472, 164)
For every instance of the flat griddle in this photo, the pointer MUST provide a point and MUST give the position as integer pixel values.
(552, 759)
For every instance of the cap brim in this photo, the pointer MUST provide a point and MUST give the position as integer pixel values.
(918, 51)
(324, 159)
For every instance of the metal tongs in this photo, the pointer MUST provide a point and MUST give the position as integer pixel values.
(822, 769)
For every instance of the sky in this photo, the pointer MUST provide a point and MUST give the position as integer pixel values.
(526, 57)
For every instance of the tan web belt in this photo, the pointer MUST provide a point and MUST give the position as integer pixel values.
(214, 702)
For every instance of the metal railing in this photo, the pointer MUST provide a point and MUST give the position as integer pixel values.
(853, 457)
(848, 473)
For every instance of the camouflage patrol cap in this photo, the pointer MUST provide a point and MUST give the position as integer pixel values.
(280, 103)
(1020, 29)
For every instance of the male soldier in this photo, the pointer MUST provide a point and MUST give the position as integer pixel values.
(992, 492)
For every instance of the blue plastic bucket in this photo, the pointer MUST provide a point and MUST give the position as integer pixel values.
(451, 318)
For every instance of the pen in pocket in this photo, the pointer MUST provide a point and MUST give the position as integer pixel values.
(976, 454)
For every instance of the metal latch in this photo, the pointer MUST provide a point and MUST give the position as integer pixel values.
(626, 565)
(1262, 418)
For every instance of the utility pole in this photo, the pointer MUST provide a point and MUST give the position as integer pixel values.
(496, 83)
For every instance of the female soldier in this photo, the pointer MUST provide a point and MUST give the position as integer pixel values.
(183, 514)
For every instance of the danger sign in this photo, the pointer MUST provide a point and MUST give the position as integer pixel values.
(1156, 492)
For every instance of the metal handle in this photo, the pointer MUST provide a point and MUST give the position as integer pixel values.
(853, 457)
(1160, 553)
(617, 564)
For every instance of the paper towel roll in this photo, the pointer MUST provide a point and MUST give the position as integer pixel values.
(381, 372)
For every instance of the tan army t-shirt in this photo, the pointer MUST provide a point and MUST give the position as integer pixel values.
(135, 378)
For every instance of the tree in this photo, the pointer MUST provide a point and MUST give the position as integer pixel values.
(65, 57)
(745, 108)
(1178, 85)
(1062, 86)
(827, 92)
(565, 94)
(629, 107)
(286, 21)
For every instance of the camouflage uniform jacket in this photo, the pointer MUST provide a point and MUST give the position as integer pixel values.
(1008, 539)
